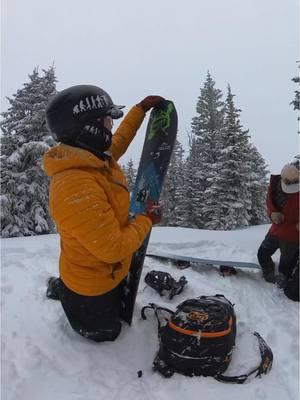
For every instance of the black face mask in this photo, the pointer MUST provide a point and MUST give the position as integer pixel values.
(94, 137)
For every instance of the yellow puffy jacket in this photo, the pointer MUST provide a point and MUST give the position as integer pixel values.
(89, 202)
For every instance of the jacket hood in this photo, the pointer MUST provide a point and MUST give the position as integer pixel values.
(63, 157)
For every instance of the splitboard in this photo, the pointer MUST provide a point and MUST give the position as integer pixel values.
(185, 262)
(157, 150)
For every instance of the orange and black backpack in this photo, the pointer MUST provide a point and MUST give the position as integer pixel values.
(198, 339)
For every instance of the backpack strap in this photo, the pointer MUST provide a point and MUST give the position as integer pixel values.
(156, 310)
(158, 363)
(263, 368)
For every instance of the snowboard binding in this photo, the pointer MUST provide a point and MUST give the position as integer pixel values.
(161, 281)
(226, 270)
(183, 264)
(142, 195)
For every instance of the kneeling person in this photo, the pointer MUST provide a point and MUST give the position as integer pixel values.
(89, 202)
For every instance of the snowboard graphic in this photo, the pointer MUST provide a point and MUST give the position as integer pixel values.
(157, 150)
(184, 261)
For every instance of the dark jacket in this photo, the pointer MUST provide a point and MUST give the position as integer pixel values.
(288, 205)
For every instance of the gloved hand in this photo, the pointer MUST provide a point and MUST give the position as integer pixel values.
(277, 217)
(153, 211)
(150, 101)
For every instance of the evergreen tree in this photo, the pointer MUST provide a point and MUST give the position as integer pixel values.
(235, 197)
(130, 174)
(225, 181)
(194, 185)
(258, 187)
(204, 149)
(173, 197)
(24, 198)
(296, 101)
(207, 125)
(227, 202)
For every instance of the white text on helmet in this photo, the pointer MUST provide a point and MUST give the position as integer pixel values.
(91, 103)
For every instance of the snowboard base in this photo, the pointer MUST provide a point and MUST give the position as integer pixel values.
(227, 267)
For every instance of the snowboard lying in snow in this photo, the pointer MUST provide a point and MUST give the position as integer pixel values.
(226, 266)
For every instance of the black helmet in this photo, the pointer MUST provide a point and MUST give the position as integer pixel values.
(73, 115)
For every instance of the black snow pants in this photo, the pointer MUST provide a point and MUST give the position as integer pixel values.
(94, 317)
(288, 257)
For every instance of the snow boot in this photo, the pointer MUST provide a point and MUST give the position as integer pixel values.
(53, 288)
(291, 289)
(281, 280)
(225, 270)
(269, 276)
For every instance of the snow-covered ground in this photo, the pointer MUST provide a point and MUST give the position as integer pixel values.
(43, 359)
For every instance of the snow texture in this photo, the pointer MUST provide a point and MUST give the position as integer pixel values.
(42, 358)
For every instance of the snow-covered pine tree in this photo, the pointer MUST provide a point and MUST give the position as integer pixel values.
(173, 198)
(204, 149)
(24, 193)
(258, 186)
(193, 185)
(228, 202)
(296, 101)
(130, 174)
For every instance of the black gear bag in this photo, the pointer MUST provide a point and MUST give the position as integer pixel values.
(198, 339)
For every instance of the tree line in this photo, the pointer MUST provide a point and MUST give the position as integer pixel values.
(219, 182)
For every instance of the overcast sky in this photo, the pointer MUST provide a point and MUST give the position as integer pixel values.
(134, 48)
